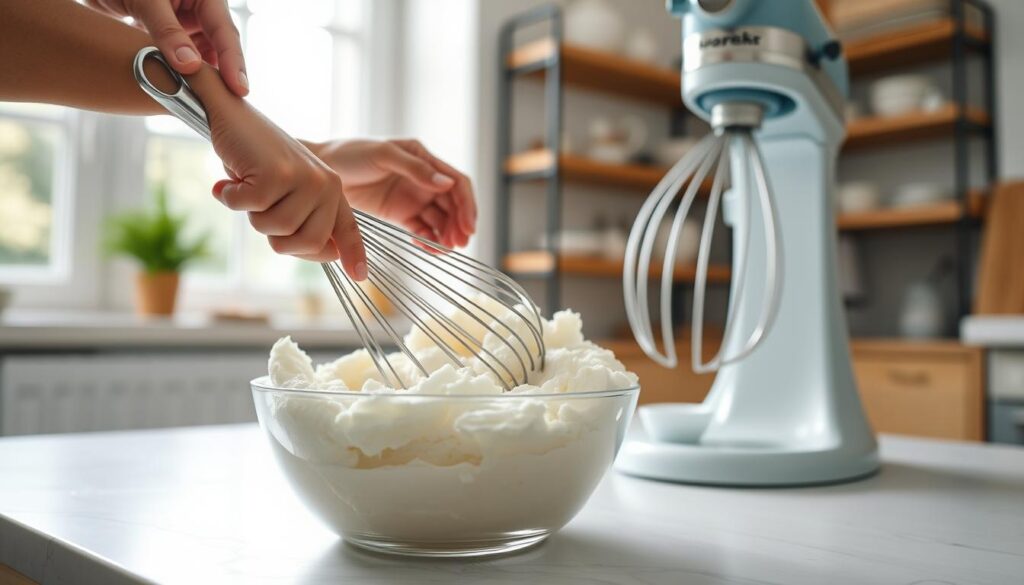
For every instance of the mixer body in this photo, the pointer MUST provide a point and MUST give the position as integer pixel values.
(788, 413)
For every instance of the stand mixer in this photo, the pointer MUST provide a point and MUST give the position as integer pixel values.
(784, 408)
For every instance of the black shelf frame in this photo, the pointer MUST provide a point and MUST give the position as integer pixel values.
(963, 131)
(553, 103)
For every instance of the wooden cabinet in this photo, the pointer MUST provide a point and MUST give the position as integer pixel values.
(927, 389)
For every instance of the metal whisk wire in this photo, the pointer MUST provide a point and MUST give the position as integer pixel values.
(396, 258)
(712, 156)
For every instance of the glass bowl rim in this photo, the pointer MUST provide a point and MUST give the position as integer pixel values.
(262, 384)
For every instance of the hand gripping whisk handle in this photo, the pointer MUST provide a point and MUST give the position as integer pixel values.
(183, 103)
(464, 307)
(712, 157)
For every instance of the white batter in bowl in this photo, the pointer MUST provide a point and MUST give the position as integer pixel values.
(452, 466)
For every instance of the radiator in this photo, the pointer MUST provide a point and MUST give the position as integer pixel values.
(99, 392)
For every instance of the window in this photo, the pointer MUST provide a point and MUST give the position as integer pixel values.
(34, 169)
(63, 171)
(305, 62)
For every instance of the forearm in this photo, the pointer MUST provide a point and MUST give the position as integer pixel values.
(60, 52)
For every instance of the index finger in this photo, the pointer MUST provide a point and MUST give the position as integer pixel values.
(215, 20)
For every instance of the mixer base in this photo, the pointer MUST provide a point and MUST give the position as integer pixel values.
(747, 464)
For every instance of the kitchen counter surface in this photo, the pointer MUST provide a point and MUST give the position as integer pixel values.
(207, 505)
(39, 330)
(993, 330)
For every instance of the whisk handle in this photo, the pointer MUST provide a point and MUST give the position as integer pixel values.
(183, 103)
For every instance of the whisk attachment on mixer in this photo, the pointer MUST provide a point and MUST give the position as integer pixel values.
(464, 307)
(731, 158)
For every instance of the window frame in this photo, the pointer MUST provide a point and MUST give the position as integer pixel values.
(61, 202)
(103, 172)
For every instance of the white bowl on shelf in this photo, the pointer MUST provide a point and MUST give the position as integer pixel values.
(920, 194)
(673, 150)
(577, 242)
(859, 196)
(901, 94)
(595, 24)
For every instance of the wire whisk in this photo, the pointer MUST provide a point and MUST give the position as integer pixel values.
(473, 313)
(465, 307)
(731, 158)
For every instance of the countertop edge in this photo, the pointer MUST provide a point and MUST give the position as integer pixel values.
(51, 561)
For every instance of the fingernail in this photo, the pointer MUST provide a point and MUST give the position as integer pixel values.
(243, 79)
(186, 54)
(441, 179)
(360, 271)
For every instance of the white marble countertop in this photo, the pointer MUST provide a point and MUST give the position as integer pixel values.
(206, 505)
(39, 330)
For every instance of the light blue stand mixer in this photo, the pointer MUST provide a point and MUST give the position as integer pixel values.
(784, 408)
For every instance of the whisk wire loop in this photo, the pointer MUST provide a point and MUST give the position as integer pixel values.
(713, 156)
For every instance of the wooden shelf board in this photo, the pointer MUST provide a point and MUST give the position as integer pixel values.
(541, 262)
(583, 170)
(612, 73)
(919, 43)
(601, 71)
(933, 214)
(876, 131)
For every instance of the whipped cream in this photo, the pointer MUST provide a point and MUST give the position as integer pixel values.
(453, 456)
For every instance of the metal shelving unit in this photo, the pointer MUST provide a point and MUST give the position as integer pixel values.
(955, 38)
(557, 64)
(551, 66)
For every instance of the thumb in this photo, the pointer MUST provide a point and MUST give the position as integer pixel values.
(168, 35)
(349, 242)
(419, 171)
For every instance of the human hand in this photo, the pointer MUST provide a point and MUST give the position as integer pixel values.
(401, 181)
(189, 32)
(291, 196)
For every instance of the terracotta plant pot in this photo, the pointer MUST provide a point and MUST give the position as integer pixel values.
(155, 293)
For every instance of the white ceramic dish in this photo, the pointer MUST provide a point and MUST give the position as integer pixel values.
(672, 150)
(900, 94)
(918, 194)
(859, 196)
(578, 242)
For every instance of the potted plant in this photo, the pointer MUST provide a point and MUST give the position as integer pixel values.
(155, 239)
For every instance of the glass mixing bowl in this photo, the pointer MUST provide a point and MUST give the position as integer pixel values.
(443, 475)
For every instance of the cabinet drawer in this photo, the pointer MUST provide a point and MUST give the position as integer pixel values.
(923, 394)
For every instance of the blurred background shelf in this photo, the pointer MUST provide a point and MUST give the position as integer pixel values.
(894, 130)
(601, 71)
(919, 41)
(946, 212)
(915, 44)
(539, 164)
(540, 263)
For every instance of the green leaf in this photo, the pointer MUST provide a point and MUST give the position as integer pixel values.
(155, 239)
